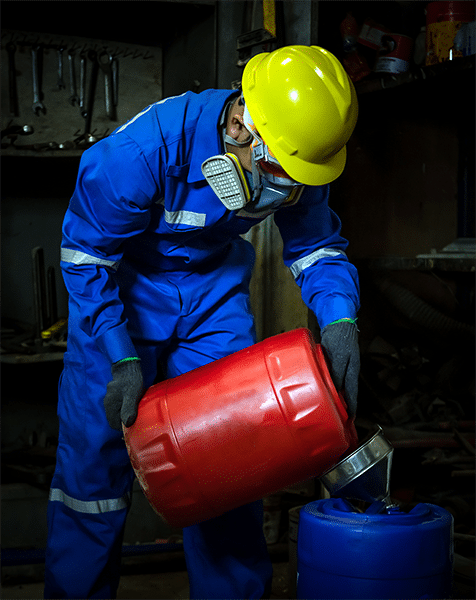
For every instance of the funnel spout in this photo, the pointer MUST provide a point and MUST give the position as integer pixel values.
(364, 474)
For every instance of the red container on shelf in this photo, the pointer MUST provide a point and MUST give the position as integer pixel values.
(395, 54)
(239, 429)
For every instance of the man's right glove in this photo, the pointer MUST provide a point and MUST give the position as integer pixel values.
(341, 345)
(124, 392)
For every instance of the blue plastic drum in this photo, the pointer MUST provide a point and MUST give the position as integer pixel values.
(382, 553)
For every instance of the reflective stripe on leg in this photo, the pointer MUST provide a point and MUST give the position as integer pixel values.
(92, 506)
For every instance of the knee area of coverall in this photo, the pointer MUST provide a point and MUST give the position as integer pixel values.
(83, 552)
(92, 460)
(227, 557)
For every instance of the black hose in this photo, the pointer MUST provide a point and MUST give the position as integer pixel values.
(421, 313)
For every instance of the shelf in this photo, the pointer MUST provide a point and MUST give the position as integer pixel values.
(459, 256)
(24, 359)
(423, 263)
(416, 74)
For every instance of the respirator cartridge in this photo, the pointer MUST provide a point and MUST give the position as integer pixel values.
(225, 176)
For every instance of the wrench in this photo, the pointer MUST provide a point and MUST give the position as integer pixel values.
(115, 81)
(37, 106)
(82, 79)
(87, 112)
(105, 62)
(72, 79)
(61, 84)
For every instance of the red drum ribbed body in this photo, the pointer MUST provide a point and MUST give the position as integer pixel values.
(238, 429)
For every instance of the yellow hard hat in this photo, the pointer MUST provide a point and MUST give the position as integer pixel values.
(305, 108)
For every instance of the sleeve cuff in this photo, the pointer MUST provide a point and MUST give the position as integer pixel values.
(340, 308)
(116, 344)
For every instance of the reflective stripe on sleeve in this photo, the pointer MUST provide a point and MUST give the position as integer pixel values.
(81, 258)
(185, 217)
(303, 263)
(92, 507)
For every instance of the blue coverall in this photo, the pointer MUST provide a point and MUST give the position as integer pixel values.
(155, 267)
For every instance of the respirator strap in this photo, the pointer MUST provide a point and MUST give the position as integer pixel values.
(229, 140)
(257, 185)
(226, 138)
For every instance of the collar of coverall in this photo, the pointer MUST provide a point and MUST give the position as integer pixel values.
(208, 138)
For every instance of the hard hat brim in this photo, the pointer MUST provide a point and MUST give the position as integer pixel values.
(310, 173)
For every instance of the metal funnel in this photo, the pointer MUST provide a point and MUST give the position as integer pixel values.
(364, 474)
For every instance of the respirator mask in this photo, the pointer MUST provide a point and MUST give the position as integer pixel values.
(266, 188)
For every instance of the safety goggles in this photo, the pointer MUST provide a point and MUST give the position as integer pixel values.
(264, 158)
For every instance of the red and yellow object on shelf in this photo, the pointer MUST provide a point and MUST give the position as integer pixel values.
(443, 21)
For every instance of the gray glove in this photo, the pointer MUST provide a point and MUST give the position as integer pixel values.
(341, 346)
(123, 394)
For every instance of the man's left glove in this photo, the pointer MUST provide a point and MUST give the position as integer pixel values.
(124, 392)
(341, 345)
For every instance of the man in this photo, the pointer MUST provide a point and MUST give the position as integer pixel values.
(157, 273)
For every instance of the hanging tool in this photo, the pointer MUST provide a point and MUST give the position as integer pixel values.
(115, 81)
(12, 79)
(82, 79)
(73, 98)
(87, 112)
(61, 85)
(37, 106)
(39, 291)
(105, 61)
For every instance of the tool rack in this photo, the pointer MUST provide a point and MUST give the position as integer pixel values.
(61, 130)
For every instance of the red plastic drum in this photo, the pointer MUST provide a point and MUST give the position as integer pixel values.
(238, 429)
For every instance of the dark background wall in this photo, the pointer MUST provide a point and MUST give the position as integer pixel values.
(408, 188)
(405, 189)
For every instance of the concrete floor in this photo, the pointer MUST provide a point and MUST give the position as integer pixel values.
(171, 585)
(174, 586)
